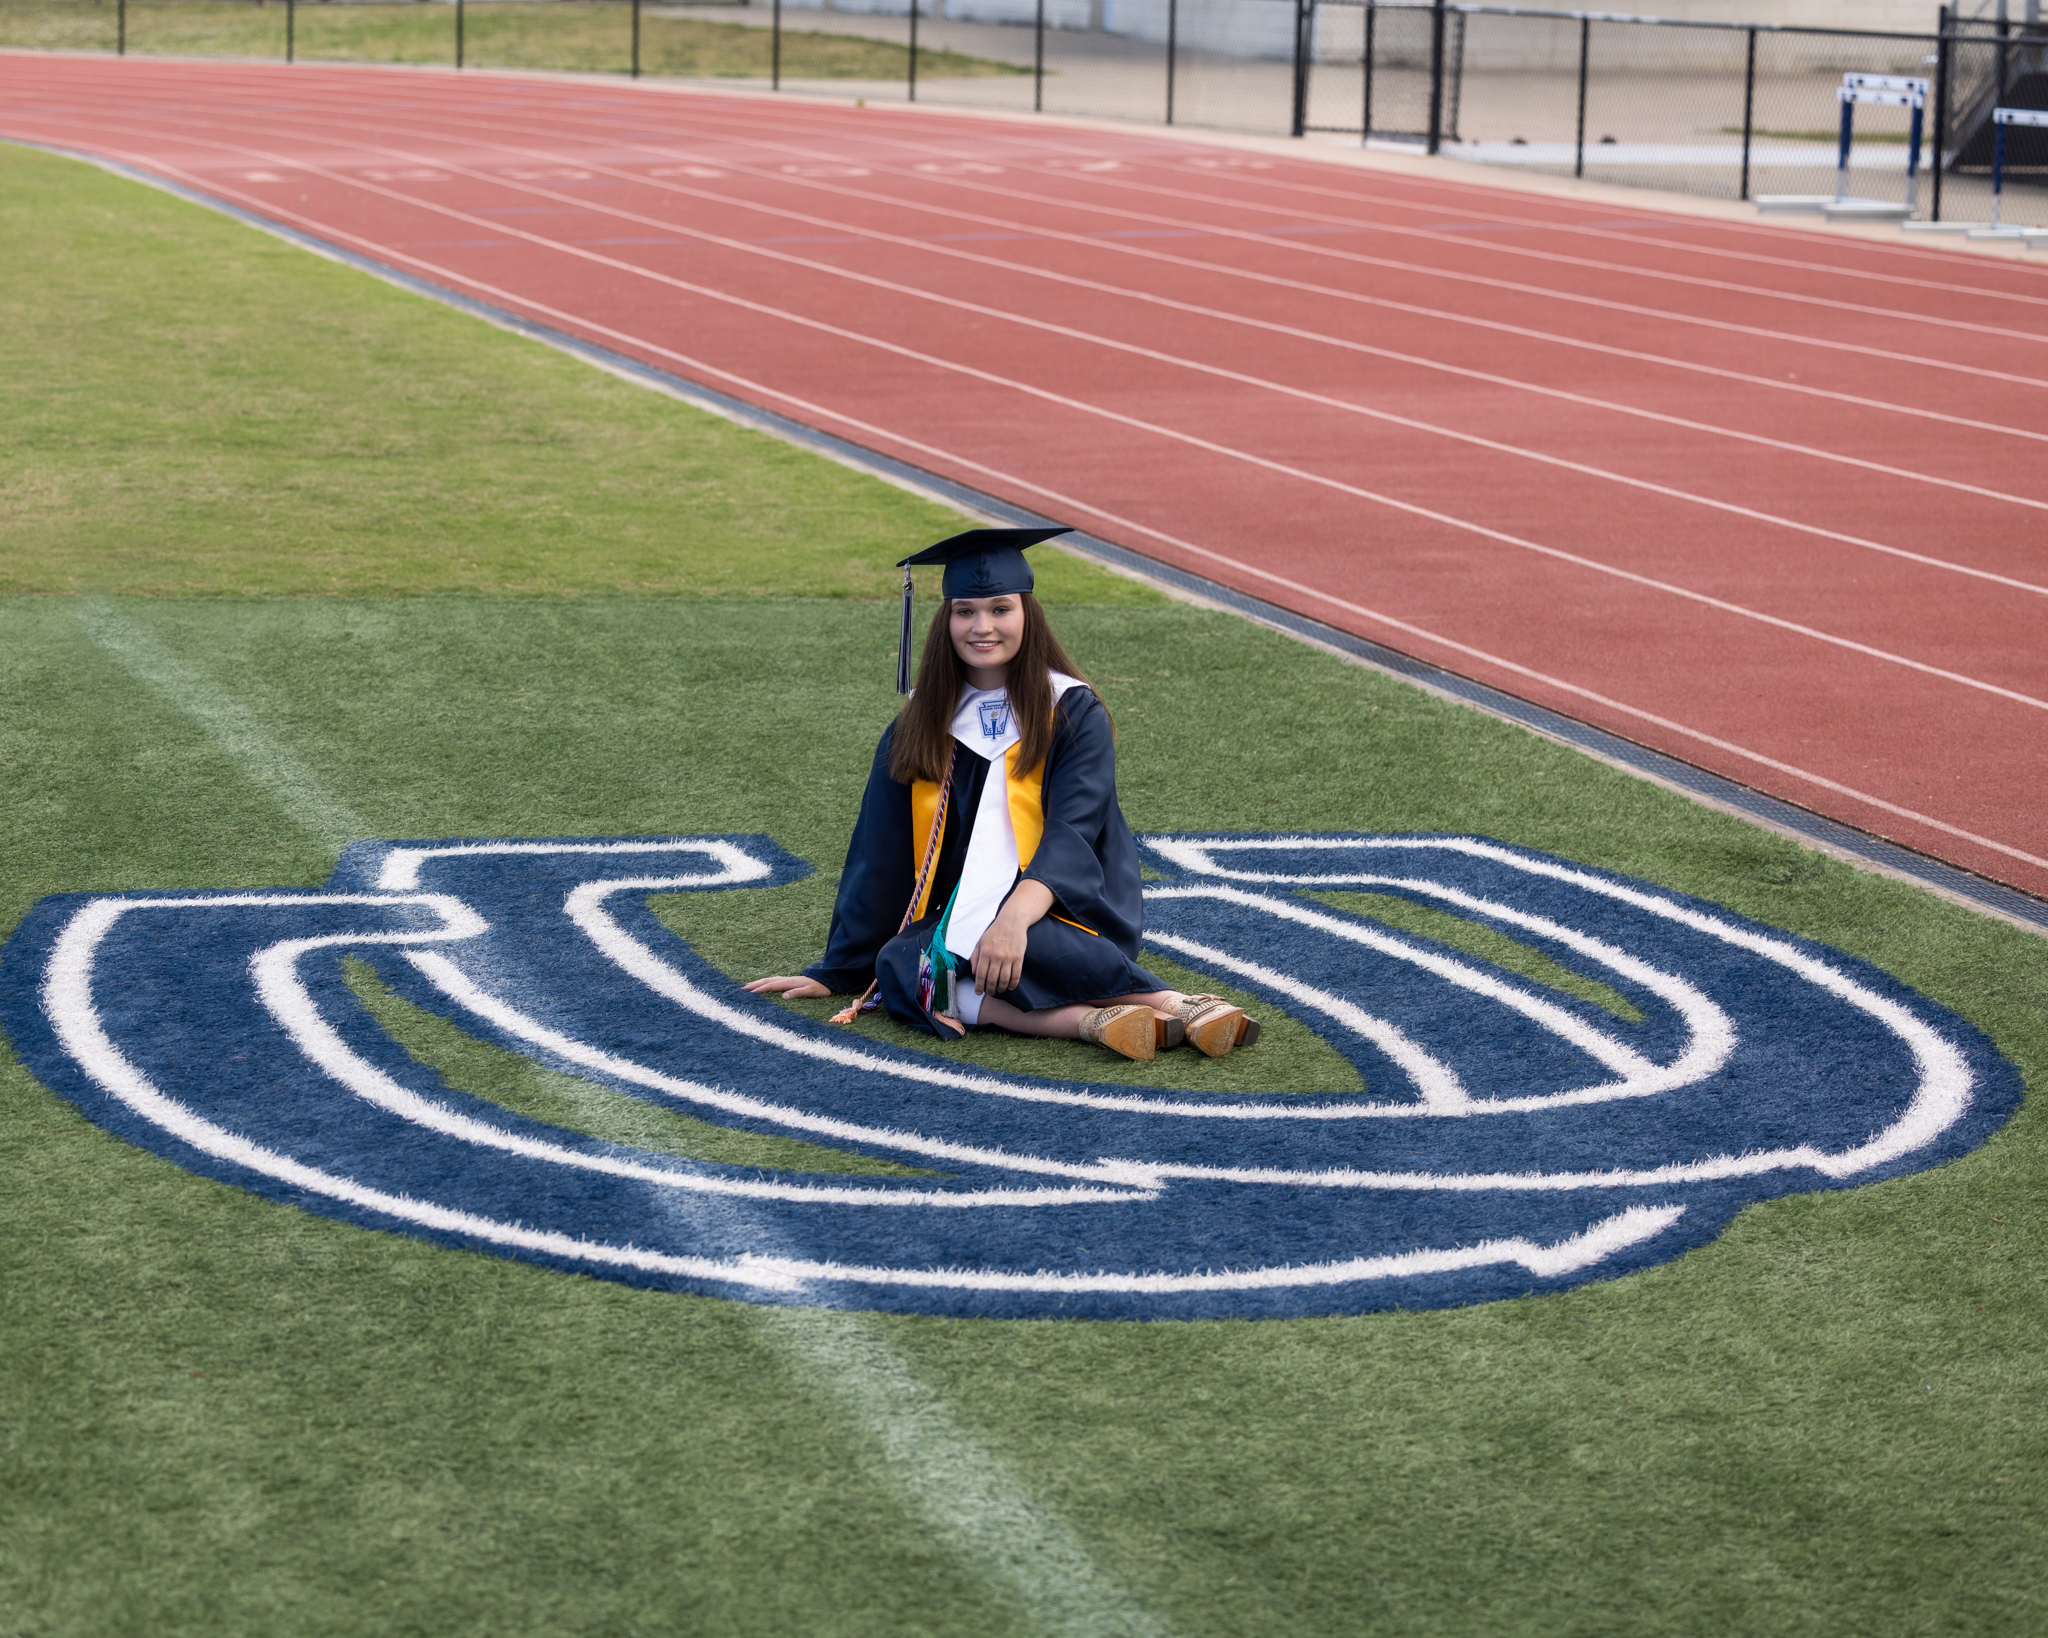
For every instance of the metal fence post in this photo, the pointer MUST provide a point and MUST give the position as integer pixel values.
(1943, 61)
(1436, 76)
(636, 39)
(1172, 50)
(775, 49)
(291, 8)
(1304, 27)
(1748, 109)
(1585, 49)
(1365, 113)
(1037, 62)
(913, 51)
(121, 29)
(458, 33)
(2004, 26)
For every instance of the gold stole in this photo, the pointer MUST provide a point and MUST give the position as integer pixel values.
(1027, 815)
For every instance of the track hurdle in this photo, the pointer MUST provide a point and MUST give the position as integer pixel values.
(2003, 119)
(1858, 90)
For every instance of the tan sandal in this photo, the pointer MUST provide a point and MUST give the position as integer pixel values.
(1214, 1027)
(1130, 1031)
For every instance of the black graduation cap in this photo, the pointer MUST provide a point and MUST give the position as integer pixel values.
(979, 563)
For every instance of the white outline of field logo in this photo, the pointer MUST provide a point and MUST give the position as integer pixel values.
(1513, 1137)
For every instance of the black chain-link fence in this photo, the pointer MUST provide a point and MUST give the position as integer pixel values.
(1725, 109)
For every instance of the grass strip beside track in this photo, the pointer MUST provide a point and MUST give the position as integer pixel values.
(586, 36)
(228, 1418)
(303, 429)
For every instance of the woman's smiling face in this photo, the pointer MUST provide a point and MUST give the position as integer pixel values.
(987, 632)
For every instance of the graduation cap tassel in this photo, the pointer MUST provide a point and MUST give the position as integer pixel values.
(903, 641)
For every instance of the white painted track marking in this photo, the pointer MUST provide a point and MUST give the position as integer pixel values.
(1206, 445)
(1342, 405)
(139, 166)
(1061, 148)
(1589, 264)
(1296, 332)
(1123, 211)
(1842, 269)
(1227, 271)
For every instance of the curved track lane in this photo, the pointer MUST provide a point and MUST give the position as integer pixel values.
(1770, 502)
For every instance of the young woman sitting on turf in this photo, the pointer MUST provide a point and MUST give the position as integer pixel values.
(991, 879)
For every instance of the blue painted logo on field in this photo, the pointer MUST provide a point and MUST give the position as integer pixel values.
(1513, 1137)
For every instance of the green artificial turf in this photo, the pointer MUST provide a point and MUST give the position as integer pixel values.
(587, 36)
(221, 1416)
(779, 930)
(1488, 943)
(576, 1104)
(306, 429)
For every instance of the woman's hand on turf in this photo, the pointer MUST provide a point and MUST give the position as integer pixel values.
(999, 955)
(798, 988)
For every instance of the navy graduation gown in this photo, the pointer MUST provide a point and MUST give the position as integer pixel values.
(1086, 857)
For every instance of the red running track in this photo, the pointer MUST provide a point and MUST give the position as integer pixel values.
(1770, 502)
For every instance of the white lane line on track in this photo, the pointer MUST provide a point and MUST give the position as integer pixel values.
(1388, 304)
(1652, 214)
(761, 392)
(922, 246)
(1164, 152)
(1144, 148)
(1227, 271)
(972, 1501)
(1842, 270)
(967, 1494)
(1210, 446)
(1192, 440)
(1124, 212)
(1560, 258)
(1200, 229)
(1055, 398)
(279, 772)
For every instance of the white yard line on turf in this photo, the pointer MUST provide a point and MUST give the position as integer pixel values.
(964, 1494)
(271, 766)
(967, 1494)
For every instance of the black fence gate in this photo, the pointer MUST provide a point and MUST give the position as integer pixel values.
(1385, 70)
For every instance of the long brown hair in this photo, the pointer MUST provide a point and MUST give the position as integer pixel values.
(924, 729)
